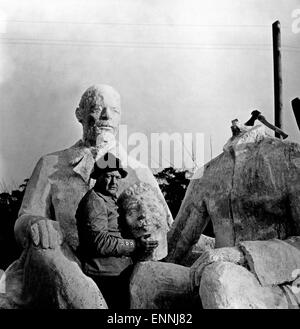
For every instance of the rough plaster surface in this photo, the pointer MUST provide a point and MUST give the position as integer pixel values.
(57, 184)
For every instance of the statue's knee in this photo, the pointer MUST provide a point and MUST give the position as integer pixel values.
(159, 285)
(219, 275)
(212, 284)
(227, 285)
(45, 258)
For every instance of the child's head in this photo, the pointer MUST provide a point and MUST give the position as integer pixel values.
(144, 212)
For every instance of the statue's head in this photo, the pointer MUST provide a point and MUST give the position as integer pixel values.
(143, 212)
(99, 112)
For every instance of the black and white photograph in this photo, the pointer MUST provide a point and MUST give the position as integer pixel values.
(149, 157)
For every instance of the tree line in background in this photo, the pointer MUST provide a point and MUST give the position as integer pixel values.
(9, 207)
(173, 184)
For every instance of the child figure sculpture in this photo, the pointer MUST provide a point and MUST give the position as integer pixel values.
(145, 215)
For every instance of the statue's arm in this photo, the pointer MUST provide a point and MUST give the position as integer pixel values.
(293, 201)
(294, 188)
(36, 202)
(187, 229)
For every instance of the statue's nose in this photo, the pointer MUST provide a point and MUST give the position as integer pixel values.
(105, 113)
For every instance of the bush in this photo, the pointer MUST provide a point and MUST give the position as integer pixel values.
(173, 184)
(9, 207)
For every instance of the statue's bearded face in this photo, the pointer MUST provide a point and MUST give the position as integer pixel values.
(100, 113)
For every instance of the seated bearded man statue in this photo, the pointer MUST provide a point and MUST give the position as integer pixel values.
(48, 274)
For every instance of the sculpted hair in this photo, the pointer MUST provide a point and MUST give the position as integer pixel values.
(94, 95)
(145, 194)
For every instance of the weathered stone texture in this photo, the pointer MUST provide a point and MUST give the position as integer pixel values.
(143, 212)
(250, 192)
(225, 285)
(157, 285)
(273, 262)
(204, 243)
(52, 278)
(58, 183)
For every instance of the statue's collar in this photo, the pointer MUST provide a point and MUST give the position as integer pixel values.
(82, 159)
(77, 152)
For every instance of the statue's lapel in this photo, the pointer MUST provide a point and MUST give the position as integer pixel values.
(82, 161)
(85, 166)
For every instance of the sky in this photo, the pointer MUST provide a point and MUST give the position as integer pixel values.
(181, 66)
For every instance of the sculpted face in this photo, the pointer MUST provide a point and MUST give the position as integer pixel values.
(143, 213)
(99, 112)
(135, 218)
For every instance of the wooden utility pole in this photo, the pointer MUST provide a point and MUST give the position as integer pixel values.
(296, 109)
(277, 75)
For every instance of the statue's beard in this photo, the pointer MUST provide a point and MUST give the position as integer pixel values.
(99, 137)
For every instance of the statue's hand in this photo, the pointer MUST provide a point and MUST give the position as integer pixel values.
(226, 254)
(46, 233)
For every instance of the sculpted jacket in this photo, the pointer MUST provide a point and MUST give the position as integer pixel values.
(102, 249)
(58, 183)
(61, 179)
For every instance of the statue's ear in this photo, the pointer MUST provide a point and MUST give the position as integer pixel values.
(79, 114)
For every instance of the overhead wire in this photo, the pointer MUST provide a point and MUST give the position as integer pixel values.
(135, 44)
(131, 44)
(137, 24)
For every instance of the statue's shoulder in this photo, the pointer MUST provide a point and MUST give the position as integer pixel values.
(275, 144)
(61, 157)
(64, 153)
(51, 159)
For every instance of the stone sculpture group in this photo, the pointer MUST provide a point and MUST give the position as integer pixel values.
(250, 192)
